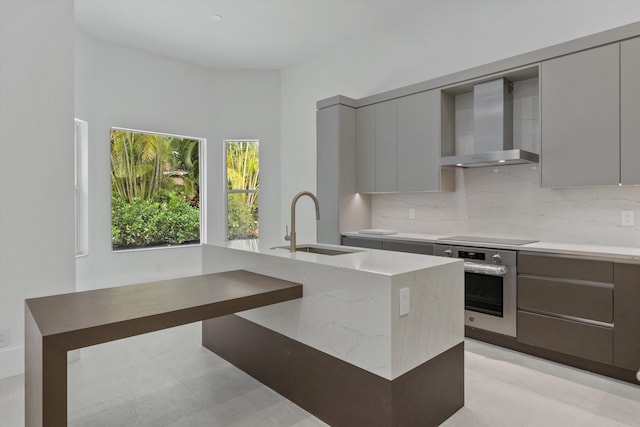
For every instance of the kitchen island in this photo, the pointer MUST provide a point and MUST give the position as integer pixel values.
(377, 339)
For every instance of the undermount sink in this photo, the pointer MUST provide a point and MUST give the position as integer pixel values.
(318, 250)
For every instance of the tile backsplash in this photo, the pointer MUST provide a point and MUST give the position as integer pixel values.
(507, 201)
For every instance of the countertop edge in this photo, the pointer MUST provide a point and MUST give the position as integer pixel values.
(623, 253)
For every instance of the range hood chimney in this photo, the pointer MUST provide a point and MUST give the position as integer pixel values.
(492, 129)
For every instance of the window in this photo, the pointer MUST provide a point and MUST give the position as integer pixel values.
(243, 168)
(81, 175)
(155, 189)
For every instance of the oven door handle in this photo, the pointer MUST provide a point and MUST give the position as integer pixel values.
(488, 269)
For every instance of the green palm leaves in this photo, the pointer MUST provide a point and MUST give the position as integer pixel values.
(154, 173)
(243, 170)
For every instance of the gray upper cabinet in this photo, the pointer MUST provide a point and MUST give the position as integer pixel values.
(377, 147)
(630, 111)
(386, 169)
(336, 163)
(366, 149)
(419, 142)
(580, 117)
(398, 146)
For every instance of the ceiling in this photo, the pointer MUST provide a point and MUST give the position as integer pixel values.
(253, 34)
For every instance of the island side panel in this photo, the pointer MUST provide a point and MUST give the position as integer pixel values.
(335, 391)
(435, 322)
(430, 393)
(344, 313)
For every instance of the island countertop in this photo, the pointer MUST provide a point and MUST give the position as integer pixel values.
(365, 260)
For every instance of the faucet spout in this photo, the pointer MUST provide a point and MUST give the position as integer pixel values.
(292, 236)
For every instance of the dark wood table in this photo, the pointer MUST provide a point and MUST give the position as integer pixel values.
(59, 323)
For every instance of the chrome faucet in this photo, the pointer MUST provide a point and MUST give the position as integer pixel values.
(292, 236)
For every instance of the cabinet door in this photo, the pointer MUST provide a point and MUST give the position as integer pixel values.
(579, 339)
(366, 149)
(626, 316)
(412, 247)
(361, 242)
(419, 142)
(386, 146)
(580, 97)
(630, 111)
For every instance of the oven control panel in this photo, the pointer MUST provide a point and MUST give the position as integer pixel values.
(481, 255)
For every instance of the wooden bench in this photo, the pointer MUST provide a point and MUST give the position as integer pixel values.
(59, 323)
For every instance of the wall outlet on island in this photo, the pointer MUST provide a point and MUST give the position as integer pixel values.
(628, 218)
(405, 301)
(412, 213)
(5, 337)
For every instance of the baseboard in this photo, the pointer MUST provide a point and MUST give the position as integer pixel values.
(11, 362)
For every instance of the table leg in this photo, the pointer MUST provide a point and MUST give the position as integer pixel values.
(45, 379)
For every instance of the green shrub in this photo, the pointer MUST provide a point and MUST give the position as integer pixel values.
(144, 223)
(241, 219)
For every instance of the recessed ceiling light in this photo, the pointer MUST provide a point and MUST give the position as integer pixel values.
(459, 164)
(216, 17)
(501, 161)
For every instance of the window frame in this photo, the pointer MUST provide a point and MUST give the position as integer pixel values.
(81, 184)
(227, 191)
(202, 170)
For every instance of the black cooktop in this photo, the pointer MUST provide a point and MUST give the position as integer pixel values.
(481, 239)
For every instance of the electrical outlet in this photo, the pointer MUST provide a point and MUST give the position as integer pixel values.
(628, 218)
(412, 213)
(5, 337)
(405, 301)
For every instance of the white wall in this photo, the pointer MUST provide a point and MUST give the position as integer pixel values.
(123, 87)
(432, 40)
(36, 162)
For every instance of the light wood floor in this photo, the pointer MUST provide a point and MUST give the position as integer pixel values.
(167, 379)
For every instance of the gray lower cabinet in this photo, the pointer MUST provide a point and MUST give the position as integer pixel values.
(566, 336)
(566, 298)
(580, 118)
(424, 248)
(626, 335)
(566, 305)
(630, 111)
(361, 242)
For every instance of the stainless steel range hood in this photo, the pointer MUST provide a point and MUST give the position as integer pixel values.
(492, 129)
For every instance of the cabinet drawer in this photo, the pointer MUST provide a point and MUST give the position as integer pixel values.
(627, 316)
(568, 298)
(362, 243)
(565, 336)
(565, 267)
(416, 248)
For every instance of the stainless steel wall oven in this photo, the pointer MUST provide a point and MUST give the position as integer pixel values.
(490, 286)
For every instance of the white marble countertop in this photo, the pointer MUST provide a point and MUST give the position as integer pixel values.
(620, 252)
(366, 260)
